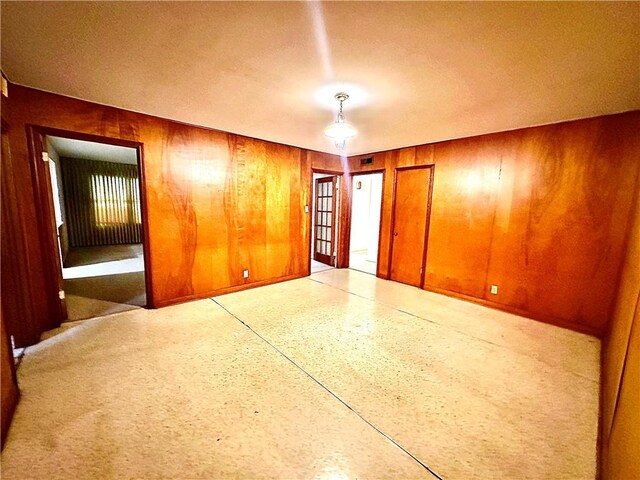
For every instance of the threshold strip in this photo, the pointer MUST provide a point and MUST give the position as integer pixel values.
(423, 465)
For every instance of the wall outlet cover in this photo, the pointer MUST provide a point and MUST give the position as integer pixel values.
(245, 273)
(494, 289)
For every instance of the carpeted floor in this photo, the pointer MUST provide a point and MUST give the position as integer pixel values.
(340, 375)
(104, 280)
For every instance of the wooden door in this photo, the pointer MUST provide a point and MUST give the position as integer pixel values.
(324, 233)
(410, 224)
(17, 308)
(49, 234)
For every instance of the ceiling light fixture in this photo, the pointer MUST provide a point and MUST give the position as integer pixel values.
(339, 131)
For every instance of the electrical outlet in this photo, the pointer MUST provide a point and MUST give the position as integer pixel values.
(494, 289)
(245, 274)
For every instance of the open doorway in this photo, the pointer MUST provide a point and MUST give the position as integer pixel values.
(366, 206)
(324, 220)
(96, 194)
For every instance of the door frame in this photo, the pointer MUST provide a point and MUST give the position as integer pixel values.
(45, 213)
(427, 220)
(339, 218)
(349, 214)
(332, 257)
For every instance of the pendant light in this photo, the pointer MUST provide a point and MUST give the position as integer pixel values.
(339, 131)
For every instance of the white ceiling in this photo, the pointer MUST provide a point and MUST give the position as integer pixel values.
(71, 148)
(419, 71)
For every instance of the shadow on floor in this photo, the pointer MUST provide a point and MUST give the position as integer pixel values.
(109, 253)
(102, 295)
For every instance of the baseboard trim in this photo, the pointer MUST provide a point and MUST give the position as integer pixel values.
(558, 322)
(225, 290)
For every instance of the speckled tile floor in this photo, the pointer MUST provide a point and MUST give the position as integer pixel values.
(340, 375)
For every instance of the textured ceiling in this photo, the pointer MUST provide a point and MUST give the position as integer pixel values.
(419, 72)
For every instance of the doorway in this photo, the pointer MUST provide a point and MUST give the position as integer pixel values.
(366, 207)
(410, 224)
(324, 224)
(97, 217)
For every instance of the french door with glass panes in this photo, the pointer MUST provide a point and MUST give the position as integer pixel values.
(324, 231)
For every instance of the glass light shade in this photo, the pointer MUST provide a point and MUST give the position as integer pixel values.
(340, 131)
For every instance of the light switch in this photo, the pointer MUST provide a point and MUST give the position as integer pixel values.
(306, 209)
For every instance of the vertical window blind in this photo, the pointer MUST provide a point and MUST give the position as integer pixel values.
(102, 201)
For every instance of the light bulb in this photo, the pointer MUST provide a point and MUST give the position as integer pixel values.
(340, 131)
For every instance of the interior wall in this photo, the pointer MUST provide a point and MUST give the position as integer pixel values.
(9, 384)
(218, 202)
(63, 233)
(620, 398)
(541, 212)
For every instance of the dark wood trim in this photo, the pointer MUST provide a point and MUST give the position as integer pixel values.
(558, 322)
(144, 212)
(317, 256)
(427, 220)
(45, 213)
(349, 214)
(11, 405)
(225, 290)
(87, 137)
(426, 228)
(322, 171)
(392, 222)
(46, 230)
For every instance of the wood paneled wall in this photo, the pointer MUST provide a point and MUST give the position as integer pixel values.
(9, 385)
(620, 397)
(217, 203)
(541, 212)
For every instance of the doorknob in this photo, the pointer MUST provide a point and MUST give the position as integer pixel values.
(395, 234)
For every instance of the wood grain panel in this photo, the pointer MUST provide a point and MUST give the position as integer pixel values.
(8, 383)
(563, 206)
(17, 295)
(541, 212)
(217, 203)
(408, 228)
(621, 458)
(464, 202)
(620, 385)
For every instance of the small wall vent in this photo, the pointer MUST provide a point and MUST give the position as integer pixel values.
(366, 161)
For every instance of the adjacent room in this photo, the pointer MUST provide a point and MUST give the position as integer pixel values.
(327, 240)
(96, 197)
(366, 206)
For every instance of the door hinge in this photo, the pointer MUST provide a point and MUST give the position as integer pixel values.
(61, 294)
(45, 157)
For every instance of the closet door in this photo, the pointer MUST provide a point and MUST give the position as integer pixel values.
(409, 225)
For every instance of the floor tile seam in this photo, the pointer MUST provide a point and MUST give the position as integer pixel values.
(452, 329)
(328, 390)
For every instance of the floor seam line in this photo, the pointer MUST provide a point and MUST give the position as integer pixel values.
(344, 403)
(443, 326)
